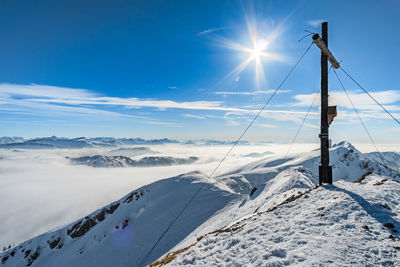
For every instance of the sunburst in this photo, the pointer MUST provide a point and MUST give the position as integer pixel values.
(257, 52)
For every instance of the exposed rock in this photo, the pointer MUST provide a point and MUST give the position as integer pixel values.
(384, 205)
(81, 227)
(125, 223)
(101, 215)
(54, 243)
(112, 208)
(27, 253)
(32, 258)
(253, 191)
(134, 195)
(4, 259)
(381, 182)
(362, 177)
(389, 225)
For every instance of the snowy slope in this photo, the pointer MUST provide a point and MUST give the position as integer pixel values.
(342, 224)
(121, 233)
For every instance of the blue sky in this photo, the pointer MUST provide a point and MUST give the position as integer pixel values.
(157, 69)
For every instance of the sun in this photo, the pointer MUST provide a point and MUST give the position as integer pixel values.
(256, 52)
(257, 49)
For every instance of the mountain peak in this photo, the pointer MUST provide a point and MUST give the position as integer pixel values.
(345, 144)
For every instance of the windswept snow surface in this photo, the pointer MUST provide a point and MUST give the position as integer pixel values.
(343, 224)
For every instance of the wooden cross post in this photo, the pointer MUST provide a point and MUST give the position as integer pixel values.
(325, 170)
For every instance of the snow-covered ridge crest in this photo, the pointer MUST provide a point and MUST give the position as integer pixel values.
(345, 144)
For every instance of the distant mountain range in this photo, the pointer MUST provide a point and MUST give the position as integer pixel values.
(8, 140)
(83, 142)
(78, 142)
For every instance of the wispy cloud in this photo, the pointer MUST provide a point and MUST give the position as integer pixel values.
(361, 100)
(266, 125)
(51, 101)
(315, 23)
(57, 98)
(232, 123)
(367, 108)
(136, 102)
(46, 91)
(251, 93)
(212, 30)
(22, 94)
(192, 116)
(47, 101)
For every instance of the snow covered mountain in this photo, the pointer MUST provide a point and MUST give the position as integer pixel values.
(268, 212)
(50, 142)
(122, 161)
(8, 140)
(132, 151)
